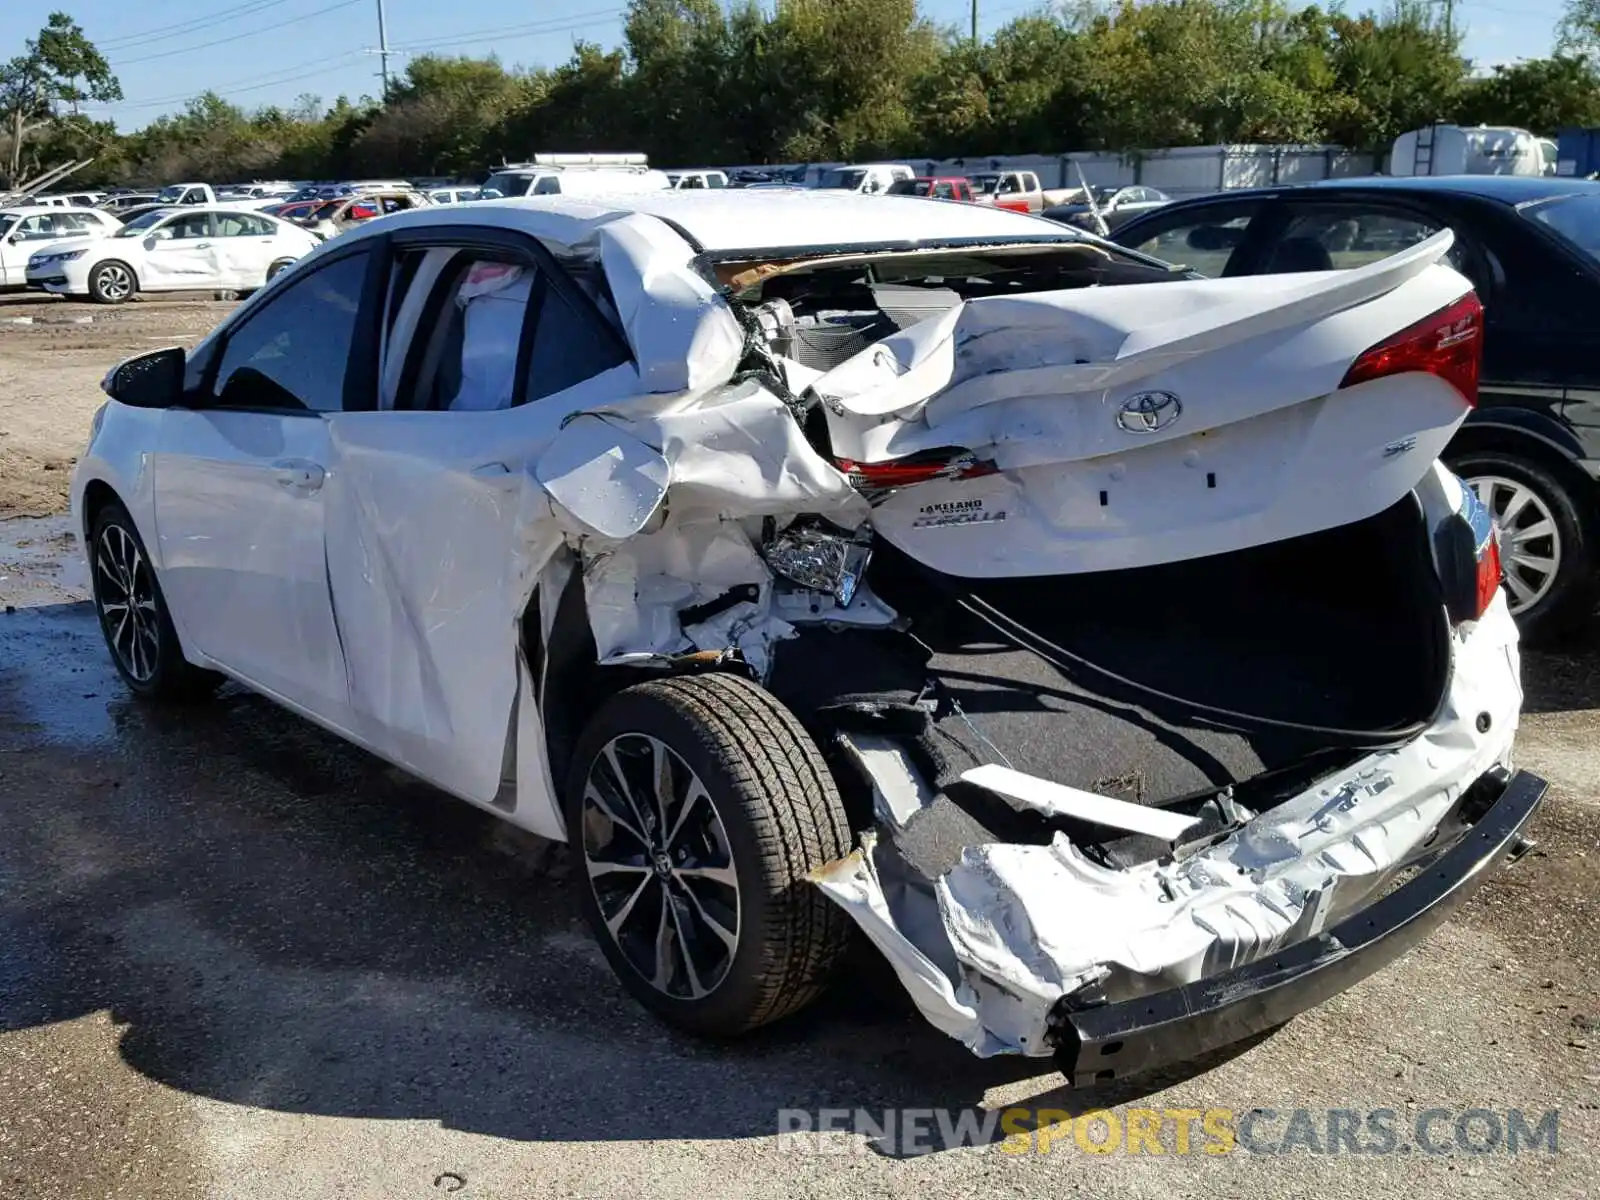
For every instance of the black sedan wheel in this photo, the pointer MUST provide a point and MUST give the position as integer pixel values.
(698, 806)
(1544, 548)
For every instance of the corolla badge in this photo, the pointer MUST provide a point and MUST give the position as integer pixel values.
(1146, 412)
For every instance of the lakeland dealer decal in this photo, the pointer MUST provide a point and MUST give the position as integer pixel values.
(948, 513)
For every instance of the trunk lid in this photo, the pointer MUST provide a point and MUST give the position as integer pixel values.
(1136, 425)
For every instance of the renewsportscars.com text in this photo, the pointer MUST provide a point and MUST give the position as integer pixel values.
(1175, 1131)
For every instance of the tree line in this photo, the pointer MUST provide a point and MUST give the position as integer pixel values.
(700, 82)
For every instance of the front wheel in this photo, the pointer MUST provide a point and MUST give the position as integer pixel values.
(133, 614)
(112, 282)
(1545, 550)
(698, 807)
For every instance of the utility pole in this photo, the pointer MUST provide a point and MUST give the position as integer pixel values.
(383, 52)
(1449, 18)
(974, 22)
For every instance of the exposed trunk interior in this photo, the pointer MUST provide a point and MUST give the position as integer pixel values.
(1343, 628)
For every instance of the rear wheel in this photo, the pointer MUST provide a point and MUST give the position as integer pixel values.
(1545, 548)
(112, 282)
(698, 806)
(133, 614)
(277, 268)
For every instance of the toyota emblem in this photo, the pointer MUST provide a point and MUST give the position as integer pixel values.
(1147, 412)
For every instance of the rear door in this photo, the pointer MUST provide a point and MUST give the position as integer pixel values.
(240, 479)
(428, 517)
(245, 244)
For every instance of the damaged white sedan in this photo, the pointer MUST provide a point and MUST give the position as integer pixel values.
(1105, 643)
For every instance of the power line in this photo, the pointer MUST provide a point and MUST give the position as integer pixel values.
(162, 33)
(260, 81)
(238, 37)
(506, 32)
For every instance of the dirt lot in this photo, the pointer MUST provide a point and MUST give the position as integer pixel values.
(53, 354)
(241, 959)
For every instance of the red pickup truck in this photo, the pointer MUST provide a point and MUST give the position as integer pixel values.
(935, 187)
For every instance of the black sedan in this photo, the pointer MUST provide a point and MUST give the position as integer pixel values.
(1531, 246)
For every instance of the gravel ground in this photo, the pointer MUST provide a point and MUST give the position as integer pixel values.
(53, 354)
(241, 959)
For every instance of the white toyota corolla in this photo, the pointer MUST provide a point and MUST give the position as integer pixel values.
(178, 249)
(1106, 643)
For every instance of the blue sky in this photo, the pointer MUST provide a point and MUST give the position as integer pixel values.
(270, 51)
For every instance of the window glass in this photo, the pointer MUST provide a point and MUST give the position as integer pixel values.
(716, 180)
(191, 225)
(37, 228)
(471, 363)
(293, 352)
(569, 346)
(1576, 219)
(1347, 238)
(242, 225)
(943, 191)
(1204, 245)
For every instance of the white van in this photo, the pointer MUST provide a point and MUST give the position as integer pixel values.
(1468, 150)
(575, 174)
(872, 178)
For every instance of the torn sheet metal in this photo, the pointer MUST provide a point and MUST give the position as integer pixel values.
(684, 337)
(1053, 799)
(1031, 924)
(853, 883)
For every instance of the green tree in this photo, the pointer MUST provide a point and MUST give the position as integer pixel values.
(1542, 95)
(48, 82)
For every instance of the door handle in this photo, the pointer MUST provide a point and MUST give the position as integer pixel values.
(202, 245)
(298, 475)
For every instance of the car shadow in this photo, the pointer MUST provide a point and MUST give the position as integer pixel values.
(1563, 676)
(275, 918)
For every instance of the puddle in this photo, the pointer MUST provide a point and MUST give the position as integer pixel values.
(40, 562)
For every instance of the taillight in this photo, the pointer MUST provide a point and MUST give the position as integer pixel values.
(1448, 344)
(1467, 547)
(917, 468)
(1489, 575)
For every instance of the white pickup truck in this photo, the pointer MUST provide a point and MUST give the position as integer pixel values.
(203, 194)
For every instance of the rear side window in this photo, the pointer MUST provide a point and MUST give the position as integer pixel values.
(569, 346)
(1347, 238)
(292, 354)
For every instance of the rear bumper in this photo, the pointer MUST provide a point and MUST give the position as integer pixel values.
(1099, 1044)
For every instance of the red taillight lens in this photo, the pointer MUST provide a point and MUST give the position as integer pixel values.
(920, 468)
(1448, 344)
(1488, 573)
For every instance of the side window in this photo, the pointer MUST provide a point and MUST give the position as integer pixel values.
(548, 185)
(1204, 244)
(1008, 184)
(293, 351)
(1030, 183)
(716, 180)
(232, 225)
(569, 346)
(1339, 239)
(943, 191)
(37, 229)
(70, 224)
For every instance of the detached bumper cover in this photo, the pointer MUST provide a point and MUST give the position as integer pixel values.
(1108, 1042)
